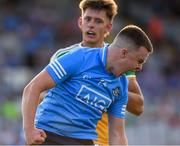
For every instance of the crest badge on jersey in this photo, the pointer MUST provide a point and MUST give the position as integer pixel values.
(116, 91)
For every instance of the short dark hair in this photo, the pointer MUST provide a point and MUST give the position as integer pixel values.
(137, 36)
(108, 5)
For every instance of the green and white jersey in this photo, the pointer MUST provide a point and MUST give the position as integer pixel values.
(61, 52)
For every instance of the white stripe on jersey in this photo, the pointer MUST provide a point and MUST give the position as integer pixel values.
(58, 69)
(55, 71)
(123, 108)
(123, 112)
(61, 67)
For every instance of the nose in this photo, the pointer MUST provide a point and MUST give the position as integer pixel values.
(91, 24)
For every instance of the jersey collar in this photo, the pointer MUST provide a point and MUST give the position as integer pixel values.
(103, 54)
(80, 45)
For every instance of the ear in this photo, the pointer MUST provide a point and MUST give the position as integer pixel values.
(124, 52)
(108, 29)
(80, 22)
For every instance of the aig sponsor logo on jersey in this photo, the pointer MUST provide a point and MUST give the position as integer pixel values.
(92, 97)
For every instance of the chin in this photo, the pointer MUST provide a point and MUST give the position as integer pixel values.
(91, 40)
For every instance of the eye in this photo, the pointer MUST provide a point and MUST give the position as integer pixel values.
(140, 61)
(98, 21)
(87, 19)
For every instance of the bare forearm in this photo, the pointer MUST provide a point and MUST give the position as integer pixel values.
(135, 103)
(117, 134)
(29, 105)
(136, 99)
(118, 140)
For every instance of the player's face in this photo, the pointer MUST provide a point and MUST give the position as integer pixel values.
(94, 24)
(132, 60)
(138, 58)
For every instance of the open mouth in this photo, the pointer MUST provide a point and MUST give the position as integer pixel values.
(91, 34)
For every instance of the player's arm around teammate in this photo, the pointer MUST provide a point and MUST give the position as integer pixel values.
(136, 99)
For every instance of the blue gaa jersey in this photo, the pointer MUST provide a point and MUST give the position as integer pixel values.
(83, 91)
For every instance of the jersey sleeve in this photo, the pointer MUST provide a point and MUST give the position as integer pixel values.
(65, 66)
(130, 74)
(118, 107)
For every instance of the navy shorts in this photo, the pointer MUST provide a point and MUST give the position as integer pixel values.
(55, 139)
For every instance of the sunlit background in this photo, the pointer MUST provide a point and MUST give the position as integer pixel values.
(31, 31)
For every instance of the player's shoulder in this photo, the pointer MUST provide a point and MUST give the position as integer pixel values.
(60, 52)
(63, 51)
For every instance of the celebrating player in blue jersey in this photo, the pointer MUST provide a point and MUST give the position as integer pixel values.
(84, 83)
(96, 22)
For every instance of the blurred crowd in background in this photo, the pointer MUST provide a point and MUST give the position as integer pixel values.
(31, 31)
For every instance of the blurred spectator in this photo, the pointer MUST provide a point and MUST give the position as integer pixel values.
(155, 29)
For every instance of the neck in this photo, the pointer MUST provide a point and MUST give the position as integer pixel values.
(111, 65)
(109, 60)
